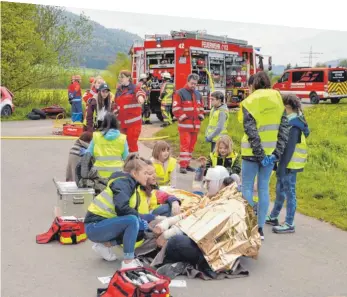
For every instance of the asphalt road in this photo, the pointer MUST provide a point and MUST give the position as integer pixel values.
(311, 262)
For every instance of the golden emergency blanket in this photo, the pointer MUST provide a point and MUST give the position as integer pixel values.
(188, 200)
(225, 229)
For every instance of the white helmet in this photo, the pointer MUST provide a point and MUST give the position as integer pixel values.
(215, 176)
(166, 75)
(143, 76)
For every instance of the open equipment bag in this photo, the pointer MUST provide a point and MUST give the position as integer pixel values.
(136, 282)
(67, 230)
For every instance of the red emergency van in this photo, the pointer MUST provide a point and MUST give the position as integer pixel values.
(314, 83)
(222, 63)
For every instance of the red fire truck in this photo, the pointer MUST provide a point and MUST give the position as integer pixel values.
(222, 63)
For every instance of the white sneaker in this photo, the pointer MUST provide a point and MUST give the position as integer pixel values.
(104, 251)
(135, 263)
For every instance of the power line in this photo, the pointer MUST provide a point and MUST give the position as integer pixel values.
(311, 56)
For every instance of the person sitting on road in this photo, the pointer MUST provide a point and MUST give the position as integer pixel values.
(109, 147)
(115, 216)
(223, 155)
(164, 164)
(75, 155)
(157, 202)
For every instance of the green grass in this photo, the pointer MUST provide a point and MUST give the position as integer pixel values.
(322, 187)
(25, 101)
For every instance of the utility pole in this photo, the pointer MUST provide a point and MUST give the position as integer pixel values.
(311, 56)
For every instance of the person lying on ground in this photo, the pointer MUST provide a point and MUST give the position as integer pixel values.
(114, 216)
(75, 155)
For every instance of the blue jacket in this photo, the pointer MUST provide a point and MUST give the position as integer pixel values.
(297, 125)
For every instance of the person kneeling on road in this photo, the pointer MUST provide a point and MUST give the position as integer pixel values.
(114, 215)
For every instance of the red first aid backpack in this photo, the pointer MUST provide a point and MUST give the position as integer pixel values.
(66, 230)
(121, 285)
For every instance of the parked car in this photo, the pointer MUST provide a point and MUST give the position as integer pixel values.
(7, 106)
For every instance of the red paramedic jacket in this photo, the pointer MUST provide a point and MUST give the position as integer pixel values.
(74, 91)
(188, 108)
(127, 105)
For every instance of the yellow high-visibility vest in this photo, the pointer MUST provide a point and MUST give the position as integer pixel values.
(169, 89)
(108, 154)
(266, 107)
(213, 123)
(163, 176)
(214, 158)
(299, 158)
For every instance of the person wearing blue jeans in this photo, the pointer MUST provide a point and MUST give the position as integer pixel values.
(291, 162)
(265, 136)
(116, 215)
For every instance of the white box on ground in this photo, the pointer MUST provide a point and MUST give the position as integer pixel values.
(72, 200)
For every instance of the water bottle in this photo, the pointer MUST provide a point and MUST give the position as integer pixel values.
(198, 179)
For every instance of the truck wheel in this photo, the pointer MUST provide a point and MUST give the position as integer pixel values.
(334, 100)
(33, 116)
(314, 98)
(39, 112)
(160, 116)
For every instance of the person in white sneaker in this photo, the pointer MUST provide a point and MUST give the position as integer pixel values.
(114, 216)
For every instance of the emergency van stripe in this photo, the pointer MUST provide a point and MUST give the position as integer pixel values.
(266, 144)
(108, 158)
(339, 88)
(133, 120)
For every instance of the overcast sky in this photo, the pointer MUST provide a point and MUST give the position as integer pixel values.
(285, 44)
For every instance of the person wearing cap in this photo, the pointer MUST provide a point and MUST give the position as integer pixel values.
(98, 106)
(146, 111)
(165, 97)
(75, 98)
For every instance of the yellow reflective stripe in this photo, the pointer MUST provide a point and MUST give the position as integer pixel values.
(298, 160)
(265, 144)
(68, 240)
(104, 206)
(108, 158)
(271, 127)
(300, 151)
(108, 169)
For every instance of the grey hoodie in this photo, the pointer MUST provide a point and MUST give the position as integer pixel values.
(223, 116)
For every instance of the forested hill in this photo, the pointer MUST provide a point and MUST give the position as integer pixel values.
(105, 44)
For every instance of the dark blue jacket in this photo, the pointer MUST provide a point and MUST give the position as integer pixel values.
(297, 125)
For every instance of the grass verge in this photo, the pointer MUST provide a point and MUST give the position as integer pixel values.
(322, 187)
(25, 101)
